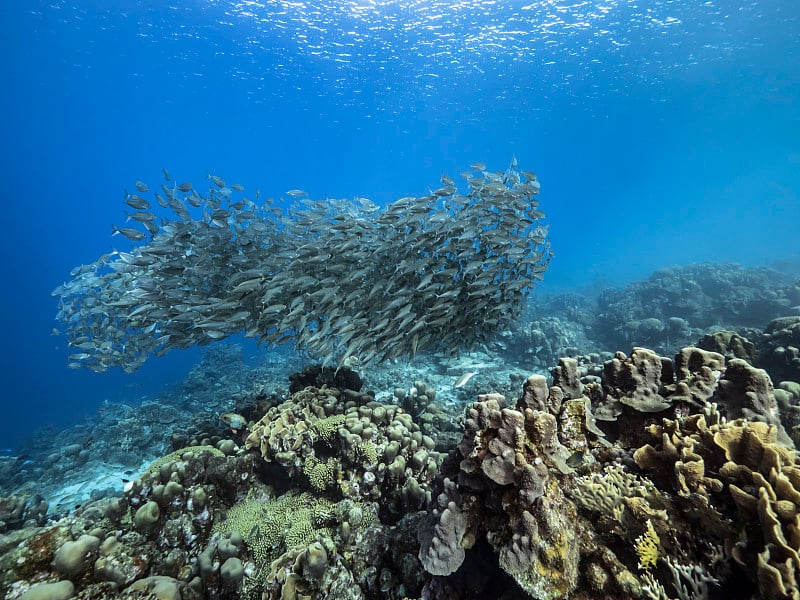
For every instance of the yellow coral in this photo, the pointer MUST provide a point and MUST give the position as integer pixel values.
(321, 474)
(368, 452)
(328, 427)
(647, 547)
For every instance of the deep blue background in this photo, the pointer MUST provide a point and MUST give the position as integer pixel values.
(664, 134)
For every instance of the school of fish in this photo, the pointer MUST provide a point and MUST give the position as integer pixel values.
(344, 279)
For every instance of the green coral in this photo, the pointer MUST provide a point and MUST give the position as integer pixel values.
(328, 427)
(367, 452)
(177, 455)
(270, 527)
(321, 475)
(303, 533)
(324, 511)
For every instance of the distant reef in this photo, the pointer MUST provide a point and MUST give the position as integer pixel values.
(673, 308)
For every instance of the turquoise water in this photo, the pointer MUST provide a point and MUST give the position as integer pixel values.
(663, 133)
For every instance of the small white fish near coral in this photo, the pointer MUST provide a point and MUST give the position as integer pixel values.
(462, 381)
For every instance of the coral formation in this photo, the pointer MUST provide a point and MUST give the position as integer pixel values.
(648, 547)
(274, 529)
(676, 306)
(347, 445)
(17, 511)
(201, 523)
(741, 463)
(731, 345)
(638, 380)
(780, 352)
(747, 391)
(551, 329)
(545, 488)
(498, 487)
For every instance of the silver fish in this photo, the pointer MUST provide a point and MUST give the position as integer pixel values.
(339, 277)
(137, 202)
(131, 234)
(141, 217)
(217, 181)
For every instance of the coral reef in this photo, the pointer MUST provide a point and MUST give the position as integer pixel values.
(623, 475)
(731, 345)
(780, 348)
(123, 438)
(676, 306)
(740, 463)
(149, 538)
(502, 485)
(217, 522)
(660, 506)
(541, 342)
(20, 511)
(343, 378)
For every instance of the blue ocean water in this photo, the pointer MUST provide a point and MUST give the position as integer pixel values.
(662, 132)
